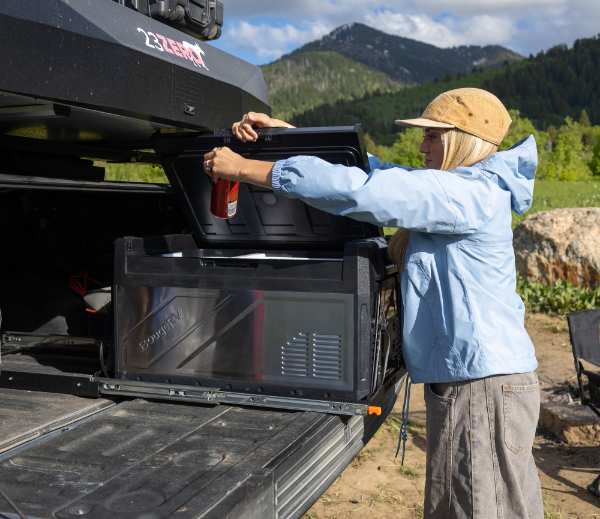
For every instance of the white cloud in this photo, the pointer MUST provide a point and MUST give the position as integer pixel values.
(416, 26)
(479, 7)
(270, 42)
(483, 29)
(299, 10)
(486, 30)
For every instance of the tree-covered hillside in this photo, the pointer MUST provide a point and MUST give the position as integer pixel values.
(305, 80)
(377, 112)
(557, 83)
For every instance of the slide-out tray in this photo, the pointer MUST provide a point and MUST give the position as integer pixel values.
(155, 459)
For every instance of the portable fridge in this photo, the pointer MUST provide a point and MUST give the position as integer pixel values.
(282, 300)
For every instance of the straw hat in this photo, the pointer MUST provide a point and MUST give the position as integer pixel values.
(472, 110)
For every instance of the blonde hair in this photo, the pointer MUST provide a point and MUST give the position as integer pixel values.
(464, 149)
(460, 149)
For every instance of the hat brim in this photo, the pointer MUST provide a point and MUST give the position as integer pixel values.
(423, 123)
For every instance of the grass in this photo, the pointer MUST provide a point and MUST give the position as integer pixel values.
(556, 194)
(548, 514)
(362, 457)
(385, 494)
(408, 472)
(148, 173)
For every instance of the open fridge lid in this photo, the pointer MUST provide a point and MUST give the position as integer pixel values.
(264, 218)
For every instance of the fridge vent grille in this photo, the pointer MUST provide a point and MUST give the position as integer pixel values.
(327, 356)
(312, 355)
(294, 356)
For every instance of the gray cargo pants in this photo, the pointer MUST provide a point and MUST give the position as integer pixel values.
(479, 439)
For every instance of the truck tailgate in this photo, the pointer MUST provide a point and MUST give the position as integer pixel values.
(151, 460)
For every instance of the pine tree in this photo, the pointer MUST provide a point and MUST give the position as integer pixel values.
(584, 119)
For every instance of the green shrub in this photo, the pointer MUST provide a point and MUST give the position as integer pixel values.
(520, 128)
(561, 298)
(405, 150)
(595, 161)
(568, 159)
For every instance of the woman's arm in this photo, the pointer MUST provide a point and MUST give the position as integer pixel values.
(457, 202)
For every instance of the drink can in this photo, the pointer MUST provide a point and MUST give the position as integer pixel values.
(224, 198)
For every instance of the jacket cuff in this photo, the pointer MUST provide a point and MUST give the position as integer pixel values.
(276, 175)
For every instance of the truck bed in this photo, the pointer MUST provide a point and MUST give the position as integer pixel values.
(64, 456)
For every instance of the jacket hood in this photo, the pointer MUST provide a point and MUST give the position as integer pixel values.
(515, 169)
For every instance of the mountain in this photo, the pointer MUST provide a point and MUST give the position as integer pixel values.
(308, 79)
(355, 61)
(405, 60)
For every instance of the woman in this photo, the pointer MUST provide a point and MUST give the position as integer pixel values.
(464, 335)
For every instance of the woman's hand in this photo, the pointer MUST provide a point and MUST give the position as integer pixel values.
(244, 129)
(226, 164)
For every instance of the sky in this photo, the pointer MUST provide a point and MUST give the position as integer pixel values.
(261, 31)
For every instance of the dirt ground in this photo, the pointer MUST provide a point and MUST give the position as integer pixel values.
(376, 486)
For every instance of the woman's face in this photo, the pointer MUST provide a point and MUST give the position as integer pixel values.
(433, 148)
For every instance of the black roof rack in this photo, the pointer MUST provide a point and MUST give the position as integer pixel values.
(202, 19)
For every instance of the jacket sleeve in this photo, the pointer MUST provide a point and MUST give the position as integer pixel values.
(427, 200)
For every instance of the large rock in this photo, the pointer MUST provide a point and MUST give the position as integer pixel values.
(560, 244)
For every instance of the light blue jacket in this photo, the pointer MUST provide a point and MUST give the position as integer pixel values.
(462, 316)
